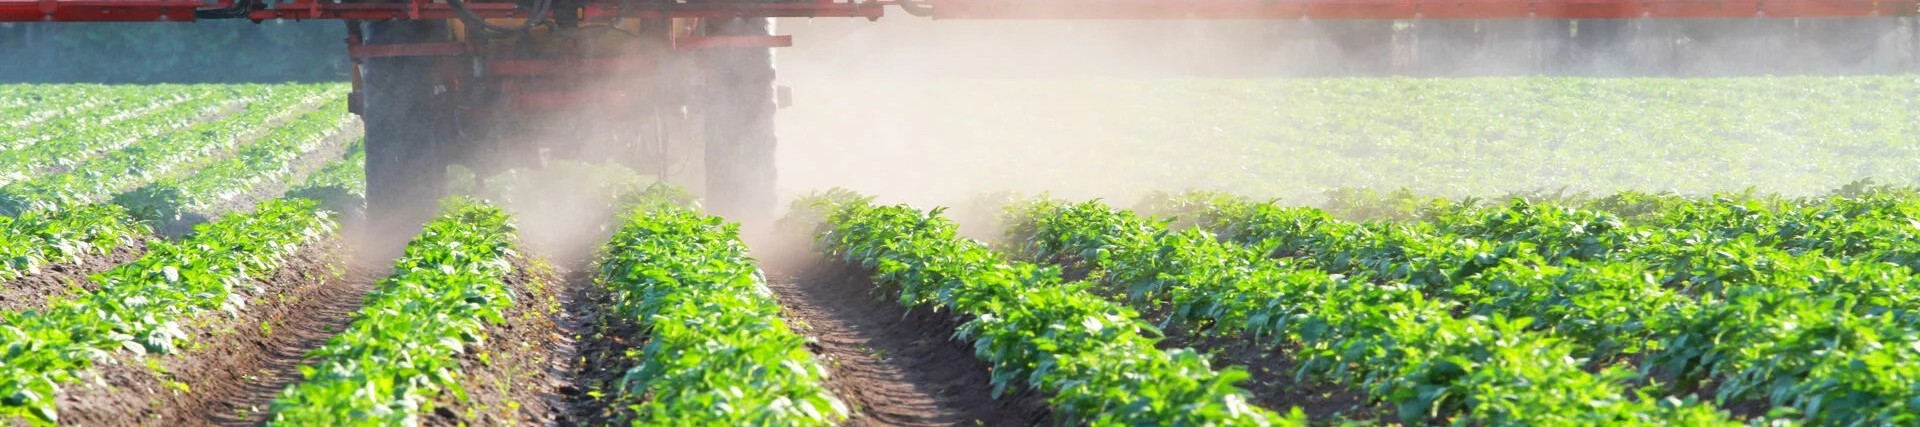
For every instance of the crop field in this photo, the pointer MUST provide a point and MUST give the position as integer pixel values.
(184, 255)
(948, 139)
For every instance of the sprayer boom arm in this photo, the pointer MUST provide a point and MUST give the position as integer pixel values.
(183, 10)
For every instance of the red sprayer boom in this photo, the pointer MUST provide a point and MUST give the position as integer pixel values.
(185, 10)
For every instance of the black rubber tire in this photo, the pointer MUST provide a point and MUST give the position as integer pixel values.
(738, 109)
(404, 120)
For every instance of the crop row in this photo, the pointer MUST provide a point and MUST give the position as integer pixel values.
(37, 238)
(157, 157)
(717, 351)
(403, 349)
(1388, 339)
(33, 240)
(1096, 360)
(30, 105)
(79, 137)
(1745, 316)
(139, 307)
(271, 158)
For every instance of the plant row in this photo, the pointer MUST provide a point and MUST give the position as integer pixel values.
(403, 349)
(270, 158)
(717, 351)
(1387, 339)
(1712, 311)
(140, 307)
(80, 137)
(1097, 362)
(159, 156)
(34, 240)
(28, 106)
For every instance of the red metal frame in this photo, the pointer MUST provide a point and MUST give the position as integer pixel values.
(100, 10)
(359, 51)
(182, 10)
(704, 42)
(1415, 9)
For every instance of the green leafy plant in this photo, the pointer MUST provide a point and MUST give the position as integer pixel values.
(140, 307)
(403, 348)
(717, 351)
(1097, 361)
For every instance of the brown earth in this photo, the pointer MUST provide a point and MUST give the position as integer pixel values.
(232, 364)
(35, 291)
(299, 329)
(516, 376)
(894, 366)
(601, 342)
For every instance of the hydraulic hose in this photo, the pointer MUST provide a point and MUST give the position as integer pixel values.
(239, 9)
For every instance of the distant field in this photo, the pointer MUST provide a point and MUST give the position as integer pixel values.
(937, 139)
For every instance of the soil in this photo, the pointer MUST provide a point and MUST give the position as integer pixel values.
(599, 351)
(235, 363)
(517, 376)
(894, 366)
(37, 290)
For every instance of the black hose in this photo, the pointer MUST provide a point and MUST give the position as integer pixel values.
(541, 8)
(239, 9)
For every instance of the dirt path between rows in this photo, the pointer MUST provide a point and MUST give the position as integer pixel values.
(894, 367)
(596, 350)
(234, 364)
(323, 312)
(517, 376)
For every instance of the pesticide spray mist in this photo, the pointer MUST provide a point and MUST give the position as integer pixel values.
(950, 113)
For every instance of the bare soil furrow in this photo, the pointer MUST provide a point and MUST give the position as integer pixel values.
(895, 367)
(517, 376)
(235, 363)
(598, 344)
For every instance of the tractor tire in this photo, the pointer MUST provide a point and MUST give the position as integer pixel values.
(404, 118)
(738, 109)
